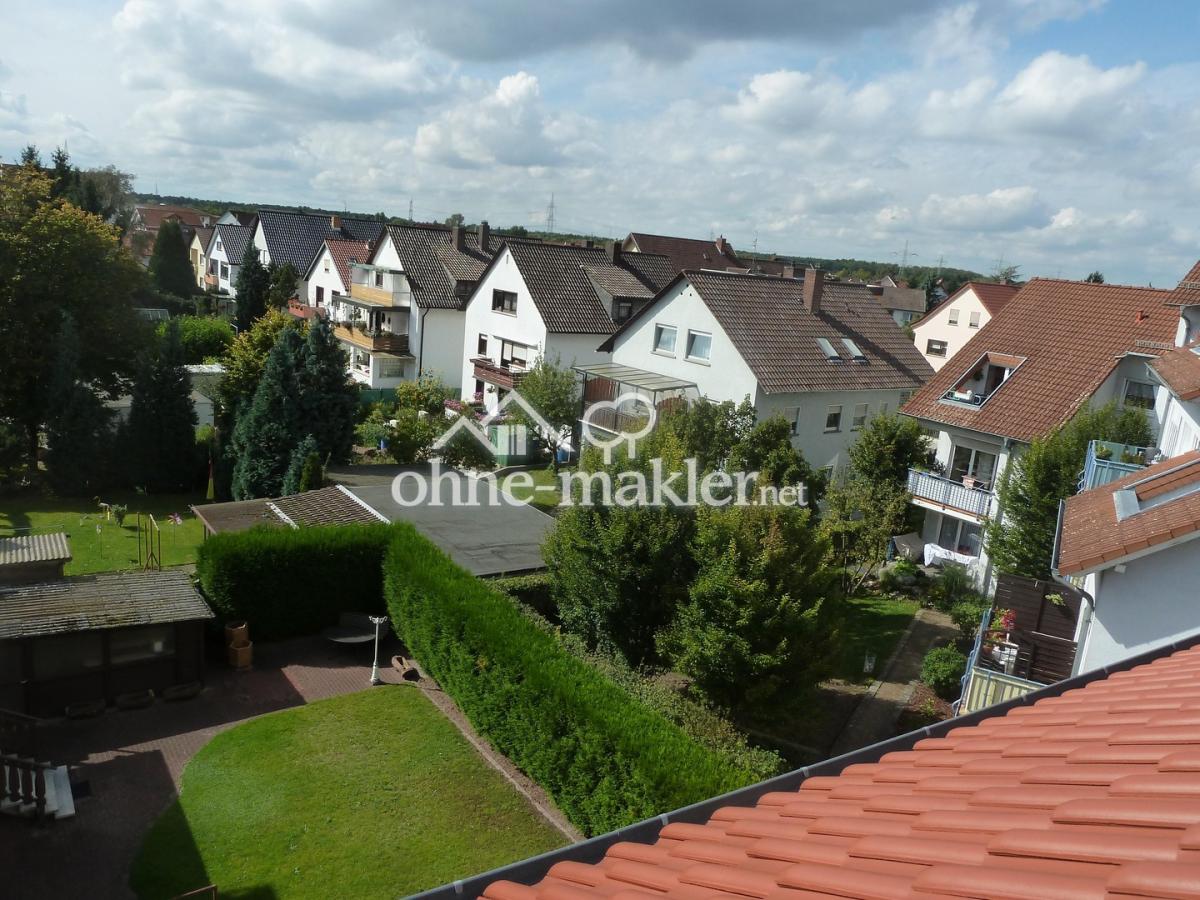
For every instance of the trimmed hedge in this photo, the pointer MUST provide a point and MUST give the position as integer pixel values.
(605, 757)
(532, 590)
(287, 582)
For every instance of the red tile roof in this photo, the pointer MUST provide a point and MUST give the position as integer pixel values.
(1187, 292)
(1180, 371)
(1093, 793)
(345, 251)
(992, 296)
(1093, 537)
(153, 215)
(1071, 333)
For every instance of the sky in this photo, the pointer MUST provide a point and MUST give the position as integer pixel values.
(1056, 135)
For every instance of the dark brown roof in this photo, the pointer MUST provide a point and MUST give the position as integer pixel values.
(686, 253)
(776, 335)
(205, 235)
(1084, 794)
(324, 506)
(1071, 335)
(560, 279)
(34, 548)
(1180, 371)
(91, 602)
(433, 265)
(1094, 536)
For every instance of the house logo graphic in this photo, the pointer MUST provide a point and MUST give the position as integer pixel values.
(517, 434)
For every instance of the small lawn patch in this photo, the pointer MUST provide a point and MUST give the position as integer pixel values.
(114, 547)
(372, 794)
(546, 492)
(872, 624)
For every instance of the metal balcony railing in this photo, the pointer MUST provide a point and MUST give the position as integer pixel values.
(948, 494)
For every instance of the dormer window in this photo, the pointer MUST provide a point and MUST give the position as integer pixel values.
(984, 378)
(830, 354)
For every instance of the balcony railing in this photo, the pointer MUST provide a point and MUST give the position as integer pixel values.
(491, 372)
(388, 289)
(211, 280)
(986, 687)
(947, 494)
(372, 340)
(1107, 461)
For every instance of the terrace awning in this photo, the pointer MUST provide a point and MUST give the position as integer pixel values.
(640, 378)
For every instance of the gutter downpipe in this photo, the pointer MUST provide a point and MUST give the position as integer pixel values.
(421, 345)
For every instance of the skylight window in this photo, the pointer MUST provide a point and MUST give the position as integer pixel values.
(827, 348)
(853, 349)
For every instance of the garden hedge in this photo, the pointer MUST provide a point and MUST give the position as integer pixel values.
(604, 757)
(287, 582)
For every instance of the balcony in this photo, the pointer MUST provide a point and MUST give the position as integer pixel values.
(379, 287)
(935, 492)
(211, 280)
(1108, 461)
(372, 340)
(491, 372)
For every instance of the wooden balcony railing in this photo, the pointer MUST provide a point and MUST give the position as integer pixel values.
(947, 494)
(491, 372)
(372, 340)
(380, 296)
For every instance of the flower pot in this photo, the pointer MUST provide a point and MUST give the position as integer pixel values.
(241, 655)
(236, 633)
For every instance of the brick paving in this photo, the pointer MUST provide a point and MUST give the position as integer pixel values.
(130, 763)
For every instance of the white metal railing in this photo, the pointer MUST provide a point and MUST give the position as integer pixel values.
(978, 502)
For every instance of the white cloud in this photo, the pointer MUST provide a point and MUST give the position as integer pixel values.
(1060, 94)
(787, 99)
(1001, 209)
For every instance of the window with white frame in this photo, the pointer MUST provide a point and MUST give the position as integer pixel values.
(833, 418)
(953, 317)
(504, 301)
(514, 355)
(973, 322)
(793, 417)
(1138, 394)
(861, 410)
(481, 345)
(935, 348)
(326, 263)
(664, 339)
(699, 345)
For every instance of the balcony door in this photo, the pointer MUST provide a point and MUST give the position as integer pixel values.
(959, 536)
(977, 464)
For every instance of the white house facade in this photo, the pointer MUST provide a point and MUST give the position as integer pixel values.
(948, 327)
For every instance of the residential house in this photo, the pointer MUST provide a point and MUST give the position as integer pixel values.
(147, 218)
(823, 354)
(226, 251)
(237, 217)
(1130, 545)
(288, 237)
(1053, 348)
(686, 253)
(905, 304)
(553, 300)
(1081, 789)
(947, 328)
(328, 275)
(198, 253)
(403, 316)
(1178, 373)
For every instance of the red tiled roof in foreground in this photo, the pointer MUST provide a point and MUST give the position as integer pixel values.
(1180, 371)
(344, 252)
(1091, 794)
(1071, 333)
(1093, 537)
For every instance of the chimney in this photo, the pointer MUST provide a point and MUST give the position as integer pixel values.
(722, 245)
(612, 250)
(456, 237)
(814, 284)
(335, 222)
(589, 243)
(789, 270)
(485, 235)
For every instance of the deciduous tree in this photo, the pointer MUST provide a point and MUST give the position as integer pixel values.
(552, 390)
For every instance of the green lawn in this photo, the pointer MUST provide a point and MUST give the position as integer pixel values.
(373, 794)
(547, 499)
(113, 547)
(872, 624)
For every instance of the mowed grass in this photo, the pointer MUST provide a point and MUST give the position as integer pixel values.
(871, 624)
(546, 492)
(373, 794)
(113, 547)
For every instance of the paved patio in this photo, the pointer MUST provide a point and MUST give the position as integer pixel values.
(129, 764)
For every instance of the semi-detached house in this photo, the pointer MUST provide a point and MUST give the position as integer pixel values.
(225, 253)
(823, 354)
(554, 300)
(1053, 348)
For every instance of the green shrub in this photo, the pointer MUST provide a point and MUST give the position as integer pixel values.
(954, 585)
(532, 590)
(966, 615)
(604, 757)
(942, 669)
(286, 582)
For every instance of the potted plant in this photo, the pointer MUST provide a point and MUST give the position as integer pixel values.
(1103, 451)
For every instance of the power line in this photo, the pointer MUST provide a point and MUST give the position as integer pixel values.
(550, 214)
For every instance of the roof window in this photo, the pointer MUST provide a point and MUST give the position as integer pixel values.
(854, 351)
(827, 349)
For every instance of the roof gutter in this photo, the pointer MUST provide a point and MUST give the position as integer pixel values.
(532, 870)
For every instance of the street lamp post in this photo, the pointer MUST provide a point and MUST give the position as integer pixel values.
(375, 679)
